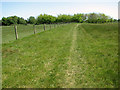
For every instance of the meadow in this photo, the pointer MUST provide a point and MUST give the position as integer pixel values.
(77, 55)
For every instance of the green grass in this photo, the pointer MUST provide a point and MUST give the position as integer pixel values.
(74, 55)
(98, 45)
(8, 32)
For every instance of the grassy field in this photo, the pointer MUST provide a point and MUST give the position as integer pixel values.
(8, 32)
(71, 56)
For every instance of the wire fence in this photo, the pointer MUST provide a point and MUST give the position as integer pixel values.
(14, 32)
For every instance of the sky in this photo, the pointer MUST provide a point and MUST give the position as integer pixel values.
(27, 8)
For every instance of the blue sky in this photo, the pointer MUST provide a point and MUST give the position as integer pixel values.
(25, 8)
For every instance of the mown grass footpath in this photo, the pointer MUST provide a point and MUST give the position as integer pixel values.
(71, 56)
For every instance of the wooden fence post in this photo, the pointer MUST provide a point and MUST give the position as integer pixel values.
(16, 34)
(50, 26)
(44, 27)
(34, 29)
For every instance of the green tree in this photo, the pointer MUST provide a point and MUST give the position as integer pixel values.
(21, 21)
(32, 20)
(4, 21)
(92, 18)
(103, 18)
(41, 19)
(78, 18)
(111, 20)
(12, 19)
(47, 19)
(64, 18)
(9, 20)
(115, 20)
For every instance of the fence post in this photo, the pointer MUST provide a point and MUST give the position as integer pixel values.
(44, 27)
(16, 34)
(50, 25)
(34, 29)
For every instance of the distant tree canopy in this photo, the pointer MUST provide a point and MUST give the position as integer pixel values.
(13, 20)
(21, 21)
(118, 20)
(42, 19)
(78, 18)
(64, 18)
(49, 19)
(32, 20)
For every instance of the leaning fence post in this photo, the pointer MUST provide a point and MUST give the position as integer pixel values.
(44, 27)
(34, 29)
(16, 34)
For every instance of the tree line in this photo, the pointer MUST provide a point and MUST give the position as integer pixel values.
(62, 18)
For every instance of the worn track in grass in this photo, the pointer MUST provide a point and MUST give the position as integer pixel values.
(71, 56)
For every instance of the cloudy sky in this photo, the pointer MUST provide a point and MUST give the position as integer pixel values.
(27, 8)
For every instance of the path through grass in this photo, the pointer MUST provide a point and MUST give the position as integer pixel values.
(71, 56)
